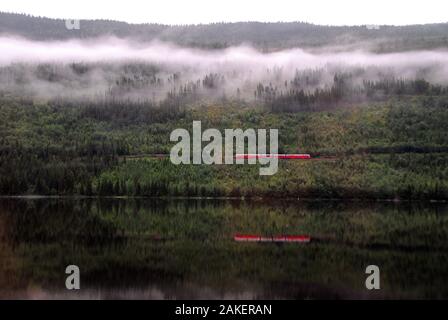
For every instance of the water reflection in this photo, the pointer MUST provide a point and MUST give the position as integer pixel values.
(176, 249)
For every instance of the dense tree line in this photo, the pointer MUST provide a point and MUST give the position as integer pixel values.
(266, 36)
(395, 149)
(342, 91)
(63, 144)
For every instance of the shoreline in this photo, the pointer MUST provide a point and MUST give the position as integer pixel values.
(251, 199)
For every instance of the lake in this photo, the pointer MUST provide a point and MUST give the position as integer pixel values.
(185, 249)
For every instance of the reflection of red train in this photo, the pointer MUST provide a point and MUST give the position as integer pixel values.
(273, 155)
(257, 238)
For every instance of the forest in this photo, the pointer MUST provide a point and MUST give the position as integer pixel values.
(78, 120)
(264, 36)
(393, 148)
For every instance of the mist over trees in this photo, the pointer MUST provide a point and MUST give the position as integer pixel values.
(284, 66)
(134, 85)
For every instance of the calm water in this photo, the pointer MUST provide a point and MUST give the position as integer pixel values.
(173, 249)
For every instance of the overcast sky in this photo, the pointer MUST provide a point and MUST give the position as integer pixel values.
(328, 12)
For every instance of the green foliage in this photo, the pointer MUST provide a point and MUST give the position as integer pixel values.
(394, 149)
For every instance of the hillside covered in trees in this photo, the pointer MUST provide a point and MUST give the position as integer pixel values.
(92, 117)
(264, 36)
(391, 149)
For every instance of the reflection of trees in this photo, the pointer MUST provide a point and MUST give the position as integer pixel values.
(9, 262)
(176, 244)
(43, 220)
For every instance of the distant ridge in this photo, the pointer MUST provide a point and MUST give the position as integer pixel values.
(265, 36)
